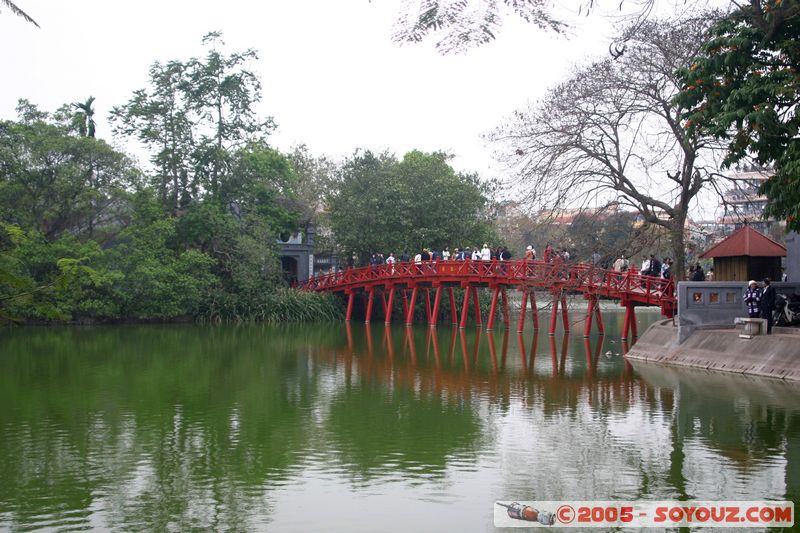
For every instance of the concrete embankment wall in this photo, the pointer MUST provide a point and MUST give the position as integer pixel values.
(776, 355)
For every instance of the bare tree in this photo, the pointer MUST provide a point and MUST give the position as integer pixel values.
(611, 134)
(464, 23)
(17, 11)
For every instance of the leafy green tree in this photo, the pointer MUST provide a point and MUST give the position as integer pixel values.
(380, 204)
(221, 94)
(230, 193)
(449, 208)
(744, 87)
(261, 184)
(158, 119)
(42, 280)
(159, 280)
(84, 117)
(365, 210)
(54, 181)
(315, 179)
(193, 118)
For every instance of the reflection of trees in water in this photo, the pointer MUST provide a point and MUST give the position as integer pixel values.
(743, 426)
(179, 427)
(158, 427)
(748, 424)
(380, 431)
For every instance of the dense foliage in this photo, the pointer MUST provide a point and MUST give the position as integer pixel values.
(85, 238)
(744, 87)
(381, 204)
(87, 235)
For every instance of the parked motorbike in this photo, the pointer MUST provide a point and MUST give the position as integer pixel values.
(787, 310)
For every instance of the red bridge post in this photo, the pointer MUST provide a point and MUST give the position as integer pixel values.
(370, 300)
(559, 299)
(389, 306)
(428, 304)
(593, 310)
(465, 307)
(553, 317)
(349, 314)
(599, 316)
(523, 308)
(410, 311)
(506, 318)
(492, 309)
(478, 320)
(453, 311)
(435, 313)
(534, 311)
(629, 322)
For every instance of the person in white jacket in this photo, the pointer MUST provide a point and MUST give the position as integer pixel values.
(486, 253)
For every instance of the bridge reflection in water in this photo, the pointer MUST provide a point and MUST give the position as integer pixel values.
(464, 363)
(236, 428)
(759, 441)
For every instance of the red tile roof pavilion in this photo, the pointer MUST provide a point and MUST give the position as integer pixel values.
(746, 241)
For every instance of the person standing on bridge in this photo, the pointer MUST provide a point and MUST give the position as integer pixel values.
(548, 253)
(486, 253)
(621, 264)
(655, 267)
(666, 272)
(752, 297)
(530, 253)
(644, 268)
(530, 257)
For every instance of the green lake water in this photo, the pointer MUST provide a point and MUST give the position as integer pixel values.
(335, 428)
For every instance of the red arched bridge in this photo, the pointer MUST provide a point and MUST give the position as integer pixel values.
(558, 278)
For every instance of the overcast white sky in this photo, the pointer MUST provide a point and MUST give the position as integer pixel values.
(332, 76)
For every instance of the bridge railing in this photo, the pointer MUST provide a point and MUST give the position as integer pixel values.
(580, 277)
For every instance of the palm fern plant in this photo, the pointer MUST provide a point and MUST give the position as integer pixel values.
(17, 11)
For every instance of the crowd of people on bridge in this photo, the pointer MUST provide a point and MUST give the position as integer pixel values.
(485, 253)
(499, 253)
(649, 265)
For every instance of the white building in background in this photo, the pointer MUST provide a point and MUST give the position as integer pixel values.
(742, 203)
